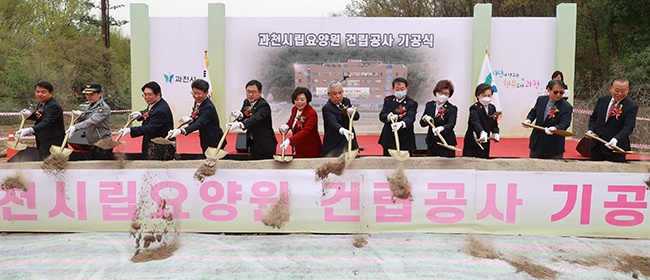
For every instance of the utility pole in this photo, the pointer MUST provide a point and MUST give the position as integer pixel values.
(105, 22)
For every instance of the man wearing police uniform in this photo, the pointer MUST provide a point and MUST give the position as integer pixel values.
(94, 121)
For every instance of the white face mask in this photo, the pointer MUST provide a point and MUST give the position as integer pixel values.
(400, 94)
(442, 98)
(485, 100)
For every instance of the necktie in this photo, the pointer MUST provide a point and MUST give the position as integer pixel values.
(610, 109)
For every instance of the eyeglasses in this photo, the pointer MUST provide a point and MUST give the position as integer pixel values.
(558, 92)
(197, 93)
(251, 91)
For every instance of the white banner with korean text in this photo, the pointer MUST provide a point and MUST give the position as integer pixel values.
(235, 200)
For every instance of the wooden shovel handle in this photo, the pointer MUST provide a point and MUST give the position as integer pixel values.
(433, 126)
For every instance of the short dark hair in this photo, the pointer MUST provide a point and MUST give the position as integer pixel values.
(201, 84)
(557, 72)
(154, 86)
(553, 83)
(45, 85)
(254, 83)
(400, 80)
(301, 90)
(481, 88)
(444, 84)
(620, 79)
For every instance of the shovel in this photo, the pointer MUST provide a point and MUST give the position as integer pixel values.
(218, 153)
(351, 154)
(478, 141)
(16, 145)
(397, 154)
(165, 141)
(444, 142)
(617, 149)
(119, 135)
(282, 157)
(62, 149)
(557, 131)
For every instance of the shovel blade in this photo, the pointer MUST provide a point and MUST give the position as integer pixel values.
(399, 155)
(280, 158)
(351, 156)
(57, 150)
(449, 147)
(211, 152)
(16, 145)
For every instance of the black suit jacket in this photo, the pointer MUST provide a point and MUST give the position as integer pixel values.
(49, 128)
(405, 110)
(619, 128)
(259, 127)
(479, 121)
(206, 121)
(157, 124)
(447, 120)
(549, 145)
(334, 144)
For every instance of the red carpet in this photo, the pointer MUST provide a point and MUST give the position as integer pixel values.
(507, 148)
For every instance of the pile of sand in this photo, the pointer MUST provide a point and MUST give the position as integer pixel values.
(331, 167)
(278, 214)
(399, 184)
(107, 144)
(15, 181)
(207, 169)
(55, 164)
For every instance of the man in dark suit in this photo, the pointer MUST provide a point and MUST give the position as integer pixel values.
(255, 118)
(157, 120)
(203, 118)
(552, 112)
(336, 122)
(613, 120)
(400, 109)
(48, 128)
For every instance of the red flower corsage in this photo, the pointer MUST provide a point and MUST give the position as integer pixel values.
(195, 112)
(552, 112)
(247, 111)
(145, 115)
(400, 111)
(38, 114)
(496, 116)
(441, 113)
(344, 109)
(300, 120)
(617, 111)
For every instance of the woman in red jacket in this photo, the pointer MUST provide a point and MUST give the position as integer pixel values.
(303, 124)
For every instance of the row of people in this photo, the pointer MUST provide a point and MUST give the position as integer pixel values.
(398, 113)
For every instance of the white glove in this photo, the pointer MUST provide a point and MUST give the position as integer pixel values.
(285, 144)
(437, 130)
(398, 125)
(236, 114)
(350, 111)
(25, 131)
(125, 131)
(76, 113)
(71, 129)
(26, 113)
(549, 130)
(284, 128)
(528, 122)
(236, 125)
(174, 132)
(392, 117)
(135, 115)
(610, 145)
(348, 134)
(186, 119)
(484, 137)
(427, 118)
(496, 136)
(590, 132)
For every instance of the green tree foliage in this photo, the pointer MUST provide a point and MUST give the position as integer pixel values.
(49, 40)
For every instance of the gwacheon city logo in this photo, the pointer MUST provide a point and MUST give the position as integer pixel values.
(173, 78)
